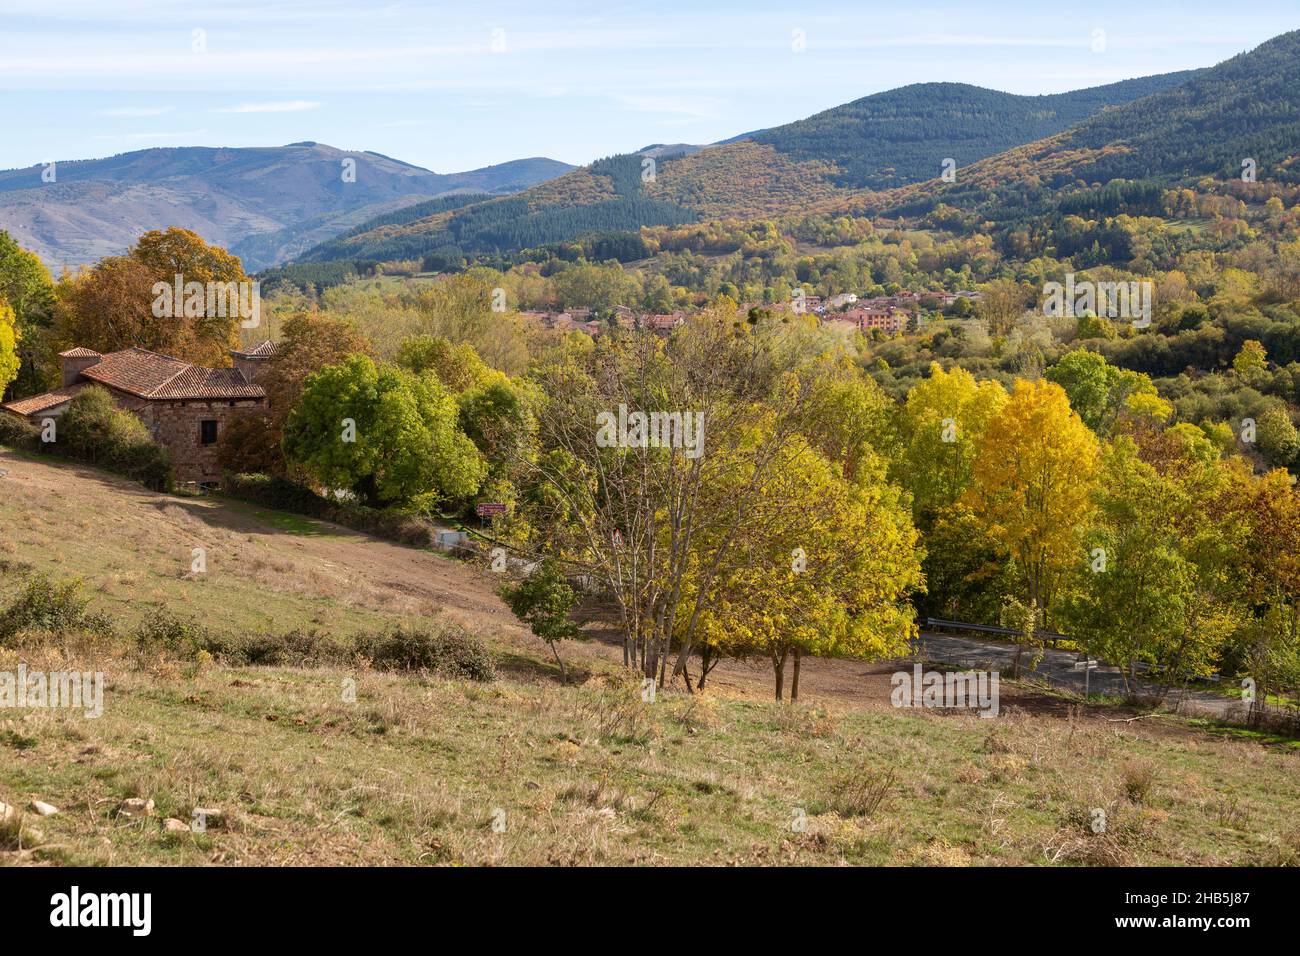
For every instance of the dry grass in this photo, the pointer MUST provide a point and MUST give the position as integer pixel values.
(526, 770)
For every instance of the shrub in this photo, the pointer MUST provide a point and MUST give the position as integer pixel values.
(861, 791)
(1139, 779)
(19, 433)
(295, 648)
(43, 604)
(163, 630)
(95, 430)
(450, 651)
(544, 600)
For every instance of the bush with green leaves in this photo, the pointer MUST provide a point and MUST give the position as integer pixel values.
(388, 435)
(44, 604)
(162, 630)
(93, 429)
(19, 433)
(298, 647)
(446, 649)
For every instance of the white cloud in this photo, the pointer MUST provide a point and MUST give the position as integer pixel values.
(279, 106)
(697, 108)
(136, 111)
(146, 137)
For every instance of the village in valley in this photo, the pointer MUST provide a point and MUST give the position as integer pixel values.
(889, 314)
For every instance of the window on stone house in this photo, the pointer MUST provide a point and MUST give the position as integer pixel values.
(207, 431)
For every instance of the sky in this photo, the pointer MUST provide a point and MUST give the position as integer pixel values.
(456, 86)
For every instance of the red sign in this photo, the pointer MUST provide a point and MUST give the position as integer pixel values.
(486, 508)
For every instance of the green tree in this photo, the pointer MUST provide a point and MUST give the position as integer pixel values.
(1100, 392)
(1140, 594)
(545, 601)
(384, 433)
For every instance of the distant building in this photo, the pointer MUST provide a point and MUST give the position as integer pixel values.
(886, 318)
(664, 323)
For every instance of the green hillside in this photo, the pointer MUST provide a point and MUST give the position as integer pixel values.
(876, 142)
(1247, 107)
(901, 136)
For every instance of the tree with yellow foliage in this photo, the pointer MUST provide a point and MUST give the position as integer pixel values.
(9, 339)
(1032, 485)
(825, 569)
(940, 427)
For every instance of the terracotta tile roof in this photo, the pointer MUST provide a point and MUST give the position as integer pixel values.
(150, 375)
(46, 400)
(261, 350)
(79, 352)
(199, 382)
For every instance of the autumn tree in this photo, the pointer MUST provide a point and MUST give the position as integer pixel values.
(1267, 648)
(9, 339)
(825, 568)
(26, 286)
(940, 427)
(1003, 301)
(116, 303)
(1032, 486)
(310, 340)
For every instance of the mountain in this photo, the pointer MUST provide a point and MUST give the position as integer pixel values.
(265, 204)
(897, 137)
(903, 135)
(1244, 108)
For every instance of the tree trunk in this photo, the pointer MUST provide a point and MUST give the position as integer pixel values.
(778, 665)
(564, 671)
(794, 678)
(708, 661)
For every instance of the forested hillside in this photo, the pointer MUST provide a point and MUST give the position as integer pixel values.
(902, 136)
(884, 140)
(1238, 122)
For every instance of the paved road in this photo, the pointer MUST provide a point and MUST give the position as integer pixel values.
(1057, 667)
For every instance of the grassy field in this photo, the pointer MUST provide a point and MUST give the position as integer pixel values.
(417, 769)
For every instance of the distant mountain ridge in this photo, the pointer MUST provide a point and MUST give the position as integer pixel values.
(1244, 109)
(883, 140)
(266, 204)
(902, 135)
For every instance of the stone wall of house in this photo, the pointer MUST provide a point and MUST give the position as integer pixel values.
(253, 368)
(176, 426)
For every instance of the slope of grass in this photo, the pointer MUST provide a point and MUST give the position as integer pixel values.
(418, 769)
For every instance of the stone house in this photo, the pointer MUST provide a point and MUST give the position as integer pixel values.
(185, 407)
